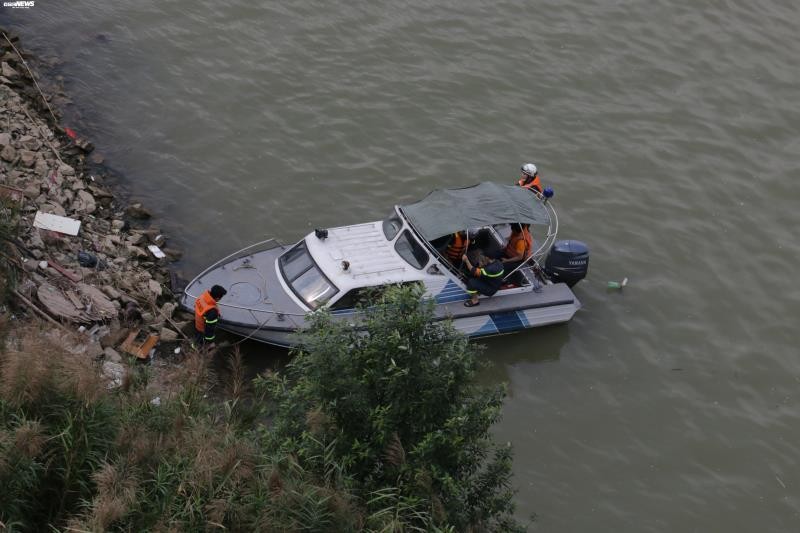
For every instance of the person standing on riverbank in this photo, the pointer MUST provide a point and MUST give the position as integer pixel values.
(206, 315)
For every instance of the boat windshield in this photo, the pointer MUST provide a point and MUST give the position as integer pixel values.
(411, 251)
(305, 278)
(391, 226)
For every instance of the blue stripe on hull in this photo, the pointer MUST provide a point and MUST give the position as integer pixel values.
(487, 329)
(451, 293)
(510, 321)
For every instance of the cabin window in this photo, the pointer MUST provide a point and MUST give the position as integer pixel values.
(353, 298)
(365, 295)
(305, 278)
(391, 226)
(295, 262)
(410, 250)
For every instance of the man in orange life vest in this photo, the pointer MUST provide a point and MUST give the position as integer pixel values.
(457, 247)
(206, 314)
(518, 249)
(520, 245)
(530, 178)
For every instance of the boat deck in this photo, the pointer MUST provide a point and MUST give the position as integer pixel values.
(255, 295)
(549, 295)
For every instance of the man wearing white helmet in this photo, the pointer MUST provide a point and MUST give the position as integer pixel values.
(530, 178)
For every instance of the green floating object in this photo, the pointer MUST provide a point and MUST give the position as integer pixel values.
(617, 284)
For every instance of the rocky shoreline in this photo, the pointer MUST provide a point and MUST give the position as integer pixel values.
(107, 289)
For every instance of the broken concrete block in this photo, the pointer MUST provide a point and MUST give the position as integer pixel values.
(9, 153)
(114, 373)
(155, 287)
(138, 211)
(167, 335)
(8, 71)
(112, 355)
(27, 158)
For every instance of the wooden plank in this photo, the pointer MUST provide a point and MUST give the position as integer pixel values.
(140, 351)
(64, 272)
(128, 345)
(147, 345)
(58, 304)
(74, 299)
(101, 306)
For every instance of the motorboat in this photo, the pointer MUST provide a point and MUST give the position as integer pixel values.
(272, 287)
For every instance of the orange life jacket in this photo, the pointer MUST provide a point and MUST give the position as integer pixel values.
(511, 247)
(534, 183)
(201, 306)
(457, 247)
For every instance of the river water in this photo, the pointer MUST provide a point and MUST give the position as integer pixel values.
(670, 132)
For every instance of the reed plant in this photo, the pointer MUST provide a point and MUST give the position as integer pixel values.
(9, 230)
(377, 430)
(79, 456)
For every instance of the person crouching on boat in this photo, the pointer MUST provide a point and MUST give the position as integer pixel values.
(530, 178)
(206, 315)
(487, 278)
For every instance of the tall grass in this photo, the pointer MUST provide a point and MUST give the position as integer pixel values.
(9, 229)
(76, 455)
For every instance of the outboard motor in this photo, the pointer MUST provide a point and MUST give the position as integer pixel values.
(568, 262)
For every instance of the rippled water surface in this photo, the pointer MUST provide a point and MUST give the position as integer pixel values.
(669, 130)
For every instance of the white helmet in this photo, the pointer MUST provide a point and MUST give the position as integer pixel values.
(529, 169)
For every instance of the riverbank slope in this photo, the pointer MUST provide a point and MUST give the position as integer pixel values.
(73, 254)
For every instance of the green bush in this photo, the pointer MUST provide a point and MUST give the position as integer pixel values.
(393, 405)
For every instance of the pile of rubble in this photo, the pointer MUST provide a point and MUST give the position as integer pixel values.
(83, 262)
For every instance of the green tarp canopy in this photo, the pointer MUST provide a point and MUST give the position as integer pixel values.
(446, 211)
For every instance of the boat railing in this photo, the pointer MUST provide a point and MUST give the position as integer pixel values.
(552, 228)
(296, 320)
(262, 246)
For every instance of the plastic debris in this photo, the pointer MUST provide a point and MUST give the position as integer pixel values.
(156, 251)
(65, 225)
(89, 260)
(86, 259)
(617, 284)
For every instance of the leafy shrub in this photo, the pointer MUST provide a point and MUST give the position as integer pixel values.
(393, 404)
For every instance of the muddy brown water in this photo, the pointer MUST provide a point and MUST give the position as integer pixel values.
(670, 132)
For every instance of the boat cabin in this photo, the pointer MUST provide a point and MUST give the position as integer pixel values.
(337, 267)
